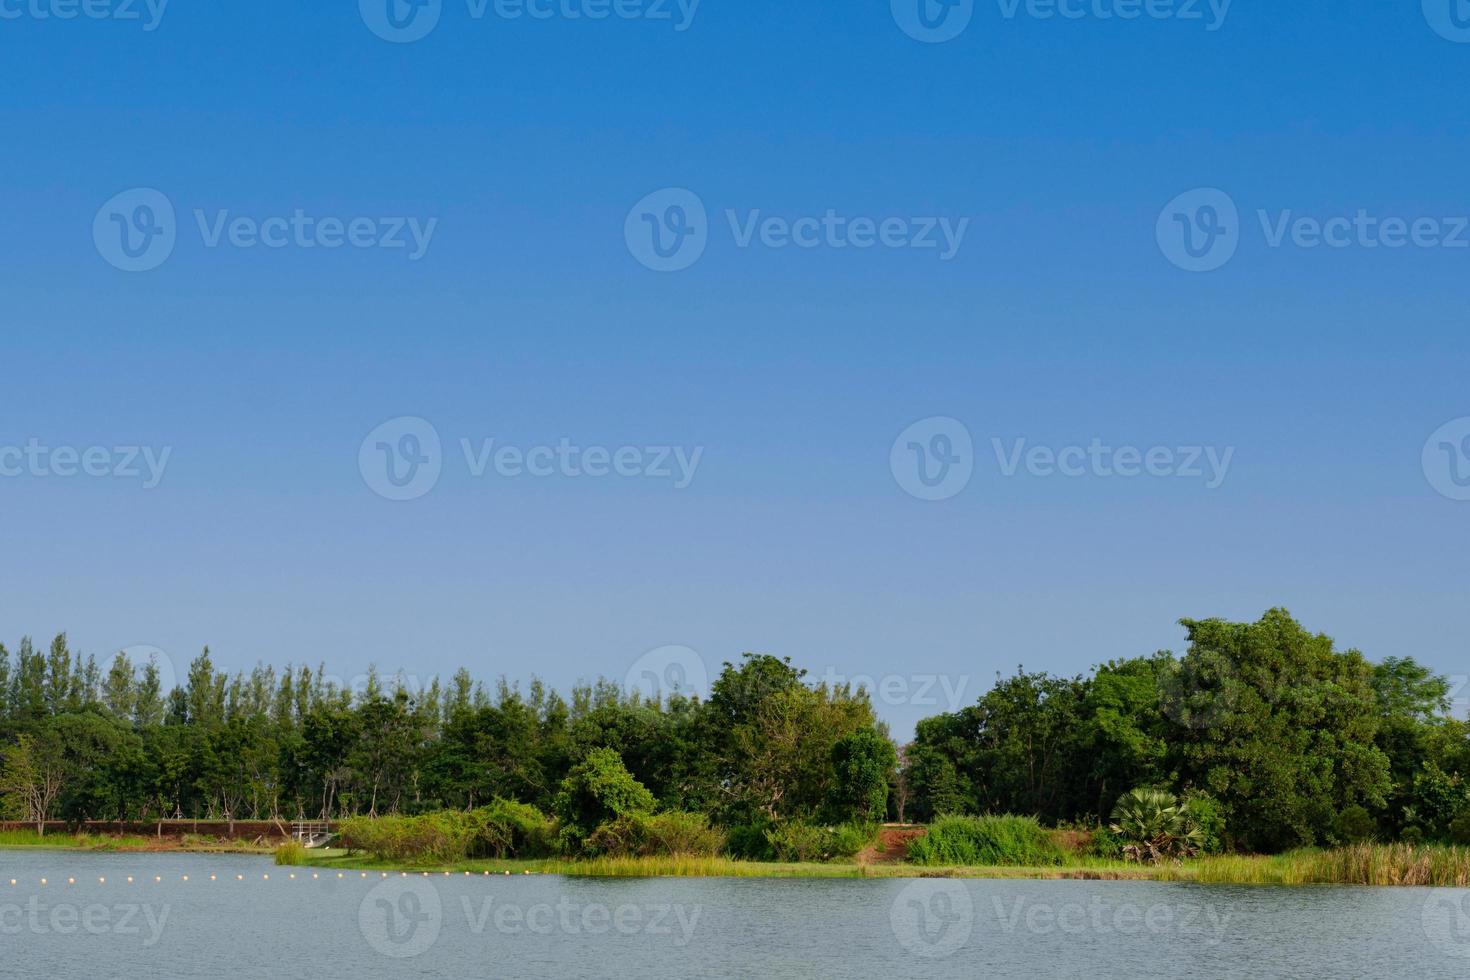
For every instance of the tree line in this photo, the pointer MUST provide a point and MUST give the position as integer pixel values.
(1287, 739)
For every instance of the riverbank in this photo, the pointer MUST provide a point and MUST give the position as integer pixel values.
(1367, 864)
(29, 840)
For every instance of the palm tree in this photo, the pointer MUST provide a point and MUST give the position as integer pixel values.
(1155, 826)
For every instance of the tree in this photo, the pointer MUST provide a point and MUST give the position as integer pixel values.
(599, 789)
(32, 777)
(864, 763)
(1285, 729)
(1155, 826)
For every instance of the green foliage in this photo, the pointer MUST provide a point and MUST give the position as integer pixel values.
(797, 840)
(1155, 826)
(748, 841)
(597, 790)
(1356, 825)
(1205, 814)
(863, 764)
(291, 854)
(506, 828)
(671, 834)
(1105, 844)
(986, 841)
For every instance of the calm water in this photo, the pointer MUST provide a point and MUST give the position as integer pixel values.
(534, 926)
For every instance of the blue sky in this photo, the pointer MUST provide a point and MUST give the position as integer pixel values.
(529, 319)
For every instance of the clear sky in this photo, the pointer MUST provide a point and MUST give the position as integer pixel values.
(530, 153)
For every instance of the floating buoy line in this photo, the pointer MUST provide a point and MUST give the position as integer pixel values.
(292, 876)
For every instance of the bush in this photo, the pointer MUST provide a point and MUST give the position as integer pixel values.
(506, 828)
(673, 834)
(1205, 814)
(749, 842)
(1355, 825)
(1105, 844)
(1459, 830)
(598, 789)
(502, 829)
(291, 853)
(1155, 827)
(986, 841)
(797, 840)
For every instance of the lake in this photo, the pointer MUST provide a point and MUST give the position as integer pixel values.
(329, 928)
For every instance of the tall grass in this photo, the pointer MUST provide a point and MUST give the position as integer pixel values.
(291, 854)
(988, 841)
(1355, 864)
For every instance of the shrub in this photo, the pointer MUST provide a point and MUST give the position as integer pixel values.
(1204, 813)
(1355, 825)
(673, 834)
(986, 841)
(291, 853)
(506, 828)
(442, 836)
(1459, 829)
(749, 841)
(1155, 826)
(798, 840)
(598, 789)
(1105, 844)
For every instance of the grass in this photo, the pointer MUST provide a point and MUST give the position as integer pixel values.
(30, 840)
(1362, 864)
(987, 841)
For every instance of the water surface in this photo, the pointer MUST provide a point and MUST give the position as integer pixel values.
(253, 920)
